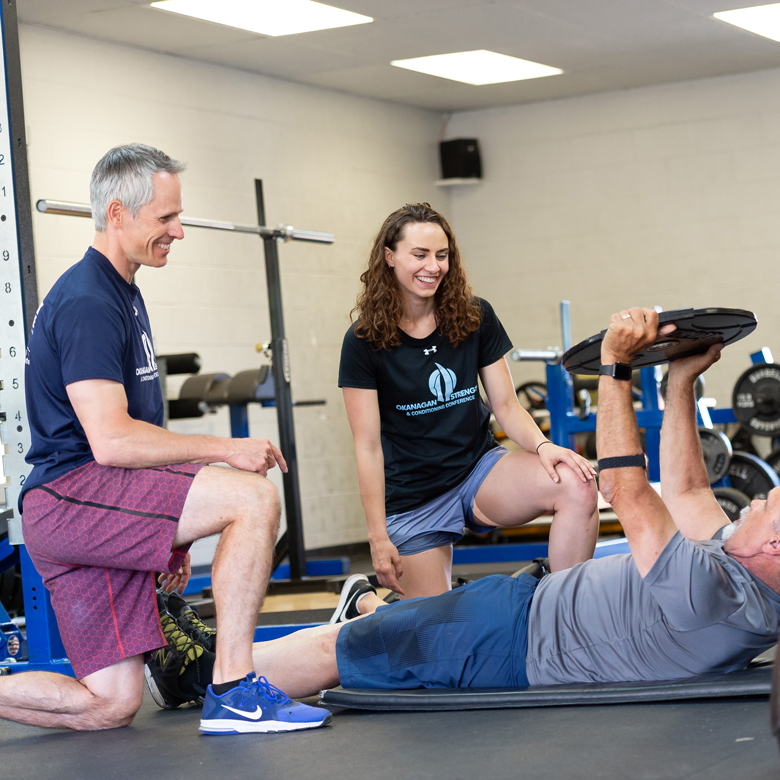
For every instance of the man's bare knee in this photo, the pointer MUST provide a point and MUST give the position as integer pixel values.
(263, 503)
(220, 497)
(111, 713)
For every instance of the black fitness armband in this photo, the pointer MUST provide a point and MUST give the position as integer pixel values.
(623, 462)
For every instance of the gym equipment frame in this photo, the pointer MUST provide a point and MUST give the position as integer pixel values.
(20, 300)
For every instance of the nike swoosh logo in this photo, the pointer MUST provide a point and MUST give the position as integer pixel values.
(256, 715)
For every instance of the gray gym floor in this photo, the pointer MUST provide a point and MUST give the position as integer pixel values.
(726, 739)
(706, 740)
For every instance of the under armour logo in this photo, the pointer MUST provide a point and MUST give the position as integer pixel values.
(429, 351)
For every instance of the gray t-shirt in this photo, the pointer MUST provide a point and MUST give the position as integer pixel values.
(697, 611)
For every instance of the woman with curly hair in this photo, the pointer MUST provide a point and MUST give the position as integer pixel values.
(428, 464)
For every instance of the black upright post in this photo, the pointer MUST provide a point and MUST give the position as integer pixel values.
(284, 411)
(18, 142)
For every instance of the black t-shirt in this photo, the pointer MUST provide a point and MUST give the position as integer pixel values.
(91, 325)
(434, 425)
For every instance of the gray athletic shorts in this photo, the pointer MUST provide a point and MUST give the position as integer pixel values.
(442, 521)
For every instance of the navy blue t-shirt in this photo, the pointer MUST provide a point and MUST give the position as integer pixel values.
(434, 425)
(91, 325)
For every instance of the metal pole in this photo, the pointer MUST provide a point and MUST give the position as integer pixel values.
(283, 232)
(284, 412)
(566, 325)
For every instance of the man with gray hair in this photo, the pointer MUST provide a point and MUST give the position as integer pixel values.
(113, 497)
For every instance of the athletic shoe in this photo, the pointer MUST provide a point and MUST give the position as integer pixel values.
(191, 624)
(355, 586)
(165, 669)
(255, 706)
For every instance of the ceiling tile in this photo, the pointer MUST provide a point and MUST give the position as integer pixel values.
(604, 45)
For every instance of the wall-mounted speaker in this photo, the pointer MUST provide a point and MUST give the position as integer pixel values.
(460, 159)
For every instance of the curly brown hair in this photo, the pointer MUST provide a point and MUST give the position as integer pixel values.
(379, 305)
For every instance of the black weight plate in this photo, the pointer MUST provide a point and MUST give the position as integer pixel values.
(731, 501)
(532, 395)
(756, 399)
(773, 459)
(742, 441)
(697, 330)
(751, 475)
(716, 448)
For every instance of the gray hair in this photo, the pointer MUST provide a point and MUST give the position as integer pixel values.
(125, 174)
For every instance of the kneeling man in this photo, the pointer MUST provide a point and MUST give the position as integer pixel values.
(113, 497)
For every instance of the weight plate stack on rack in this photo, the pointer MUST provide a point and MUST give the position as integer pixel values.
(756, 399)
(773, 460)
(532, 395)
(751, 475)
(716, 448)
(731, 501)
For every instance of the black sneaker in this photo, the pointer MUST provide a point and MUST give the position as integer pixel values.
(190, 623)
(353, 589)
(165, 669)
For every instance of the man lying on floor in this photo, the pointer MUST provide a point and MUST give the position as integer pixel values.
(671, 609)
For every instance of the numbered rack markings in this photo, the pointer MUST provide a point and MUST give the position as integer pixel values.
(14, 428)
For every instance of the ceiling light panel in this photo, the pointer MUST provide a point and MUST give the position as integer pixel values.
(478, 67)
(267, 17)
(760, 19)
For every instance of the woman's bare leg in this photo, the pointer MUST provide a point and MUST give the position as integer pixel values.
(518, 489)
(427, 573)
(369, 603)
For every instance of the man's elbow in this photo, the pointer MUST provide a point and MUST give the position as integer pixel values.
(617, 487)
(608, 486)
(108, 452)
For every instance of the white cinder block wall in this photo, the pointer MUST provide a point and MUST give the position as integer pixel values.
(666, 195)
(328, 162)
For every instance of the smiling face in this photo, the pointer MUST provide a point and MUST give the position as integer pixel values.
(420, 260)
(147, 238)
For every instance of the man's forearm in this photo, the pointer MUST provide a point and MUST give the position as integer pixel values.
(682, 464)
(617, 436)
(639, 508)
(137, 444)
(616, 430)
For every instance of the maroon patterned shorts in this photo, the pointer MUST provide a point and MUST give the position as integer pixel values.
(96, 537)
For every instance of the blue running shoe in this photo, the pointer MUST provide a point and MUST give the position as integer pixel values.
(255, 706)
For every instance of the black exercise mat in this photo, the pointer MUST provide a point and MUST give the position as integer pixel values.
(697, 330)
(756, 681)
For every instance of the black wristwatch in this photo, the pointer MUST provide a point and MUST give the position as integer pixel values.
(617, 371)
